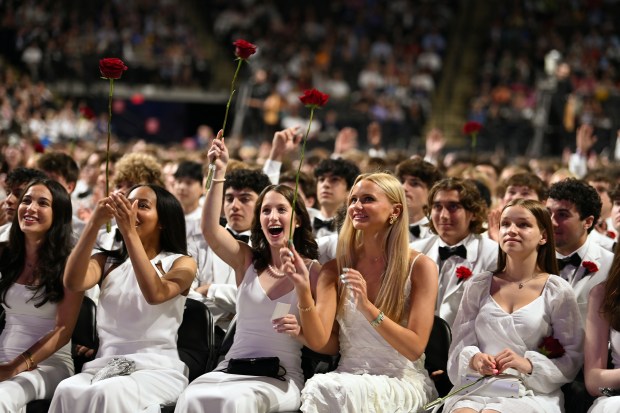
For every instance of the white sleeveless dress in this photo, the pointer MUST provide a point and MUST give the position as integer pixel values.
(372, 376)
(128, 326)
(610, 404)
(254, 337)
(25, 325)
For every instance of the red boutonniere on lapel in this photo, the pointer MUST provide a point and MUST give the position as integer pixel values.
(590, 267)
(462, 273)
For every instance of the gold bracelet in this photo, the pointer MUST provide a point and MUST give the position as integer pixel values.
(218, 180)
(377, 321)
(28, 355)
(27, 362)
(305, 309)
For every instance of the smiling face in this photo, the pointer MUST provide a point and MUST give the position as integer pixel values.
(275, 218)
(519, 233)
(450, 219)
(35, 211)
(147, 219)
(369, 207)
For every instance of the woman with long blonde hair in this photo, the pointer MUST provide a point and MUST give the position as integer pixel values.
(382, 295)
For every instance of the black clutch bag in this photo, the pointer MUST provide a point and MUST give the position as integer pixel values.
(257, 366)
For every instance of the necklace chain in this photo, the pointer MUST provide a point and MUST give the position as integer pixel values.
(274, 272)
(522, 283)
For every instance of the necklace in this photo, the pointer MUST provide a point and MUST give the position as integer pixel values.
(275, 273)
(522, 283)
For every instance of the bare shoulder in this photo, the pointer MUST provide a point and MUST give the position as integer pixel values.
(424, 269)
(597, 292)
(184, 261)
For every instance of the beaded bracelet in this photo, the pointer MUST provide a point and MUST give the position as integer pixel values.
(377, 321)
(305, 309)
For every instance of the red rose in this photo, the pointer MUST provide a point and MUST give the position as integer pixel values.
(551, 347)
(462, 273)
(87, 113)
(111, 68)
(611, 234)
(471, 127)
(589, 266)
(244, 49)
(314, 98)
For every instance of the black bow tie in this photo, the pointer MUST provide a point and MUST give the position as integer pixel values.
(415, 230)
(239, 237)
(447, 252)
(318, 223)
(573, 260)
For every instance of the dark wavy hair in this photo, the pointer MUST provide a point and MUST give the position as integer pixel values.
(171, 218)
(469, 197)
(303, 239)
(546, 260)
(585, 198)
(338, 167)
(52, 254)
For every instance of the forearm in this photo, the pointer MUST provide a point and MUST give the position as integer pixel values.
(597, 378)
(147, 277)
(317, 329)
(402, 339)
(75, 275)
(211, 209)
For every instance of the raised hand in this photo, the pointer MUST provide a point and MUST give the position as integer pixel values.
(284, 141)
(294, 267)
(355, 282)
(218, 153)
(101, 214)
(123, 211)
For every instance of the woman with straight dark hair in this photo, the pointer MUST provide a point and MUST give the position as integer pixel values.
(263, 330)
(603, 334)
(521, 322)
(143, 288)
(35, 353)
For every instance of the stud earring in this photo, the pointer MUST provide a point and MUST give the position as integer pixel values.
(393, 219)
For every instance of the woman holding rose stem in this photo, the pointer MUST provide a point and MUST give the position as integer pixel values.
(262, 286)
(603, 328)
(505, 315)
(384, 307)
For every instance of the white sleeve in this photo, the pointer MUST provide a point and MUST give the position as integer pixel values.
(578, 165)
(272, 170)
(464, 339)
(223, 296)
(549, 374)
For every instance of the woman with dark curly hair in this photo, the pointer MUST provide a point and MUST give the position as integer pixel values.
(263, 289)
(35, 353)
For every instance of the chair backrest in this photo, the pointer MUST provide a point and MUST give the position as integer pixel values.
(85, 332)
(437, 354)
(2, 317)
(196, 338)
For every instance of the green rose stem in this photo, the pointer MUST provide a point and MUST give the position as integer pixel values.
(441, 400)
(108, 225)
(232, 92)
(301, 161)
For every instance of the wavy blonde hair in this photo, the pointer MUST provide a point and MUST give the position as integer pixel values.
(390, 299)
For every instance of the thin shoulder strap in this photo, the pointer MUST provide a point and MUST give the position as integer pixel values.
(413, 263)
